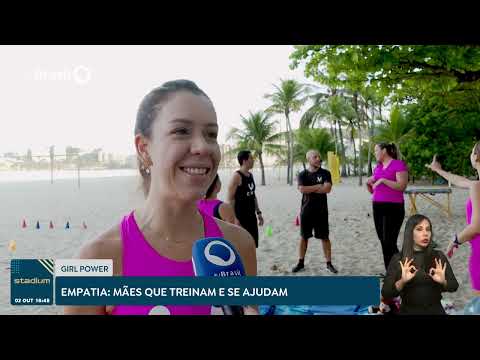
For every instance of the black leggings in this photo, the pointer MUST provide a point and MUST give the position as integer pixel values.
(388, 218)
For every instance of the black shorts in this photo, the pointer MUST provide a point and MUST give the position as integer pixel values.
(314, 223)
(250, 224)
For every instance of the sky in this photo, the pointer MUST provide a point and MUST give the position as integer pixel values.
(88, 96)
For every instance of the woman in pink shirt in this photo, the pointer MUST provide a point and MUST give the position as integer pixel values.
(214, 207)
(178, 155)
(387, 185)
(471, 233)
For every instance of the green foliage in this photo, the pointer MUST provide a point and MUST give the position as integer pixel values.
(448, 132)
(312, 139)
(437, 87)
(288, 97)
(397, 130)
(403, 70)
(257, 135)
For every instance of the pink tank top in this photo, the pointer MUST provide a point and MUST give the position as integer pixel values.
(208, 206)
(474, 262)
(141, 259)
(475, 242)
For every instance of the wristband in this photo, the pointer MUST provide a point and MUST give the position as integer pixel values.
(456, 242)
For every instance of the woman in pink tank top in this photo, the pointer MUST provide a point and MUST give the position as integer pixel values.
(178, 155)
(471, 233)
(214, 207)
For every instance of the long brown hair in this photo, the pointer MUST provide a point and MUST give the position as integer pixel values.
(409, 242)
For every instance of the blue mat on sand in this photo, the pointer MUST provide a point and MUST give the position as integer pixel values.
(313, 310)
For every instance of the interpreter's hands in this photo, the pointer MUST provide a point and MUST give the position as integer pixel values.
(435, 165)
(438, 272)
(378, 182)
(260, 219)
(408, 270)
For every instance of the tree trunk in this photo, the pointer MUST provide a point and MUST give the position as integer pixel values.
(290, 151)
(370, 139)
(335, 136)
(360, 165)
(262, 168)
(354, 154)
(342, 149)
(288, 148)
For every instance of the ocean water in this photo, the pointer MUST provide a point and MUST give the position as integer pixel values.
(44, 175)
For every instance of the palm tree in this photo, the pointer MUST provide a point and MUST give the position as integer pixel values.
(312, 139)
(287, 98)
(397, 129)
(258, 135)
(335, 109)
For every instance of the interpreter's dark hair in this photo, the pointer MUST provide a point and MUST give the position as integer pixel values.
(212, 187)
(409, 242)
(391, 149)
(149, 109)
(243, 156)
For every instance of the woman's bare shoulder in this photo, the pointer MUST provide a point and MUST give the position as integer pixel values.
(237, 235)
(243, 243)
(108, 245)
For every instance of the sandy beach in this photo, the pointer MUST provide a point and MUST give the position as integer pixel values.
(102, 202)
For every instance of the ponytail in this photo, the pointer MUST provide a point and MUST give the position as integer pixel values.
(391, 150)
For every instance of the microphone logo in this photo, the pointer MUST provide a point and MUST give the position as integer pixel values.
(217, 260)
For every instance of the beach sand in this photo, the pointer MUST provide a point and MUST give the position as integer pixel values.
(102, 202)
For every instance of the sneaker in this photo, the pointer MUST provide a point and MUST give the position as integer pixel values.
(298, 267)
(331, 268)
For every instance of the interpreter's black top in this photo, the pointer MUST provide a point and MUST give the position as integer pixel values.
(314, 201)
(422, 294)
(245, 197)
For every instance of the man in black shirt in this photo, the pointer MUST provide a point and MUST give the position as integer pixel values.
(241, 195)
(314, 183)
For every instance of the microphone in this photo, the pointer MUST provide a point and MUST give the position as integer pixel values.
(216, 256)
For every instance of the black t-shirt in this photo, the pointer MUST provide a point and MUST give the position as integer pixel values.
(245, 197)
(314, 201)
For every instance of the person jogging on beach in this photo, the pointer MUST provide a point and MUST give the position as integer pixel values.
(178, 154)
(241, 195)
(214, 207)
(314, 183)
